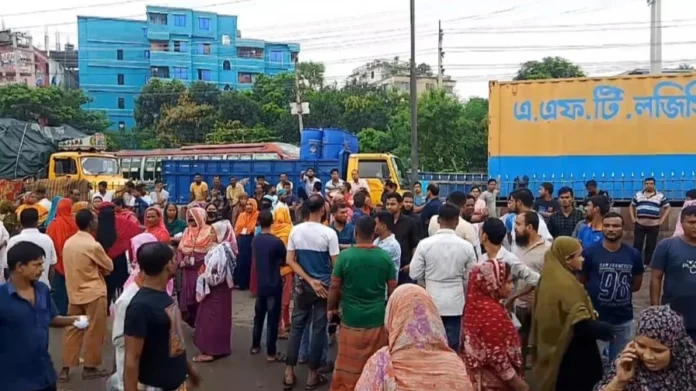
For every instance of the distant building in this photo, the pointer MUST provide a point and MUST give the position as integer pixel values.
(646, 71)
(117, 57)
(63, 67)
(396, 74)
(20, 61)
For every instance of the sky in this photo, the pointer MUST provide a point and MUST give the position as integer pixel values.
(483, 40)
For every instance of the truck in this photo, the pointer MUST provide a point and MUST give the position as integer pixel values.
(321, 149)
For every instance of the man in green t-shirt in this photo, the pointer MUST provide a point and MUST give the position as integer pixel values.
(360, 277)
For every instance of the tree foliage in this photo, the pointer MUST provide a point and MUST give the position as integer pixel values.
(155, 97)
(311, 74)
(549, 68)
(235, 133)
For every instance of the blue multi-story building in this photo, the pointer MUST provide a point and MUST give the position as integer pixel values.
(117, 57)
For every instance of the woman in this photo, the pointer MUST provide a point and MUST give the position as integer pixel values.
(54, 210)
(96, 202)
(565, 328)
(175, 226)
(282, 225)
(417, 357)
(60, 230)
(121, 209)
(244, 229)
(223, 228)
(136, 243)
(690, 201)
(198, 239)
(492, 349)
(214, 294)
(661, 357)
(30, 202)
(239, 208)
(114, 233)
(154, 224)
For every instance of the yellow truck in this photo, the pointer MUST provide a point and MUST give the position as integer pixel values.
(84, 158)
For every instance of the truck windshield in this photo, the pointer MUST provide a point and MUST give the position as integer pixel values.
(404, 181)
(99, 166)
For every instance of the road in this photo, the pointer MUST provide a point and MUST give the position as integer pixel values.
(240, 371)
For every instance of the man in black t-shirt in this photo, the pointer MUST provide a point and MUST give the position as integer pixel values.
(155, 349)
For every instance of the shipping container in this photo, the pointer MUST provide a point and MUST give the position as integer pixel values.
(615, 129)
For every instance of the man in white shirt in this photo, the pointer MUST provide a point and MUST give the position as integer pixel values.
(521, 201)
(334, 185)
(465, 229)
(106, 195)
(384, 229)
(159, 196)
(29, 218)
(444, 260)
(283, 180)
(309, 180)
(357, 184)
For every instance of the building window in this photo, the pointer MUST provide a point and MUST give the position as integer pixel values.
(156, 18)
(181, 73)
(250, 53)
(226, 40)
(246, 77)
(121, 103)
(204, 48)
(204, 23)
(159, 46)
(145, 32)
(147, 54)
(181, 46)
(121, 125)
(276, 56)
(119, 54)
(162, 72)
(180, 20)
(120, 79)
(226, 65)
(293, 57)
(204, 74)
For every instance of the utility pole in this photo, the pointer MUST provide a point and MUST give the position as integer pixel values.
(298, 107)
(414, 97)
(655, 36)
(440, 54)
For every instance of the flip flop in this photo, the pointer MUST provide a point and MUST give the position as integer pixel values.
(289, 386)
(321, 380)
(278, 358)
(201, 360)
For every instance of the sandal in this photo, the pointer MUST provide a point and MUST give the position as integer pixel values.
(254, 351)
(278, 358)
(63, 377)
(287, 386)
(203, 358)
(321, 380)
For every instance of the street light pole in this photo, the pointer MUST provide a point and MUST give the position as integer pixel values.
(655, 36)
(414, 97)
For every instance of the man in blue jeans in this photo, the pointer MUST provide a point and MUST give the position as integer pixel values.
(311, 251)
(612, 271)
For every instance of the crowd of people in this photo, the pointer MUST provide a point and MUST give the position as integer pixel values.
(415, 292)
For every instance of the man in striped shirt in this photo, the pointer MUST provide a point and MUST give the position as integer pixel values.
(649, 209)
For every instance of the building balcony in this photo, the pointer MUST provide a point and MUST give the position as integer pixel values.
(169, 59)
(249, 64)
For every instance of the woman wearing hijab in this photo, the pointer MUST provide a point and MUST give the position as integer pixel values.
(198, 239)
(175, 225)
(282, 225)
(565, 328)
(114, 233)
(223, 228)
(61, 228)
(239, 208)
(244, 229)
(661, 357)
(154, 224)
(417, 357)
(492, 348)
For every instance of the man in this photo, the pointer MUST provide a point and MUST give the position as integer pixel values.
(316, 248)
(102, 192)
(591, 187)
(591, 234)
(309, 180)
(261, 180)
(85, 267)
(563, 221)
(269, 256)
(233, 192)
(74, 194)
(140, 204)
(464, 229)
(26, 313)
(522, 200)
(359, 205)
(406, 233)
(612, 271)
(198, 190)
(159, 196)
(480, 209)
(357, 184)
(389, 187)
(468, 209)
(489, 196)
(40, 193)
(408, 209)
(531, 248)
(444, 260)
(649, 209)
(283, 181)
(334, 185)
(155, 347)
(384, 229)
(431, 206)
(344, 230)
(362, 301)
(674, 263)
(127, 193)
(291, 200)
(29, 218)
(546, 205)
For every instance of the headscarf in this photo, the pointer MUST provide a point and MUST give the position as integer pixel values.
(667, 327)
(491, 340)
(417, 357)
(282, 225)
(198, 238)
(61, 229)
(218, 268)
(175, 226)
(136, 243)
(679, 230)
(225, 234)
(561, 302)
(115, 232)
(246, 222)
(43, 213)
(160, 230)
(54, 210)
(81, 205)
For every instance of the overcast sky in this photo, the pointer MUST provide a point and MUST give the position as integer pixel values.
(484, 40)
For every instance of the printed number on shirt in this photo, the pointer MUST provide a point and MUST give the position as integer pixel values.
(615, 286)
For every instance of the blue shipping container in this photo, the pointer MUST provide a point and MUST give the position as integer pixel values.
(336, 140)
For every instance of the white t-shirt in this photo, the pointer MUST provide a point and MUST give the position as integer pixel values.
(314, 244)
(107, 197)
(309, 184)
(46, 203)
(155, 197)
(42, 240)
(117, 337)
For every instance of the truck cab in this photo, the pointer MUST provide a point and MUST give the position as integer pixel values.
(376, 168)
(83, 159)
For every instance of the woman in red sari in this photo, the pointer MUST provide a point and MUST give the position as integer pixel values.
(154, 224)
(492, 350)
(59, 230)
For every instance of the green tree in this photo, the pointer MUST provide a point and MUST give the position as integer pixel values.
(326, 108)
(235, 133)
(204, 93)
(311, 74)
(424, 69)
(549, 68)
(153, 98)
(185, 123)
(274, 95)
(687, 67)
(239, 106)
